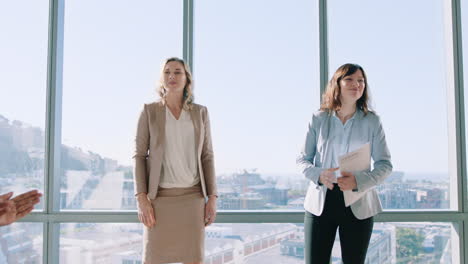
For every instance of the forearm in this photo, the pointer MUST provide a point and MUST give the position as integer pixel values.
(368, 180)
(210, 178)
(208, 167)
(309, 170)
(140, 175)
(141, 152)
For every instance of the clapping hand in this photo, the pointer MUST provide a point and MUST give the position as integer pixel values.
(14, 209)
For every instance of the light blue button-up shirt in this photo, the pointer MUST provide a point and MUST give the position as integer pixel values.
(339, 139)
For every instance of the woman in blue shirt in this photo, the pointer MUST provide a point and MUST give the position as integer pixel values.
(344, 124)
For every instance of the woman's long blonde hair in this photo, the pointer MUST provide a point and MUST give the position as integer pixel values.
(188, 91)
(331, 99)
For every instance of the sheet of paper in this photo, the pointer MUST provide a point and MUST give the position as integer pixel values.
(358, 160)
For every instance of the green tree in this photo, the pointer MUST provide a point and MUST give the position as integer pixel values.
(409, 244)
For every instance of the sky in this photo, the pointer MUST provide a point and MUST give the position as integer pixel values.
(256, 68)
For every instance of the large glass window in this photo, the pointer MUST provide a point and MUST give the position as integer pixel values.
(23, 71)
(409, 243)
(260, 243)
(113, 51)
(259, 79)
(256, 67)
(89, 243)
(21, 243)
(407, 69)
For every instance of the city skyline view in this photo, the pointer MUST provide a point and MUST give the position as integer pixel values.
(91, 181)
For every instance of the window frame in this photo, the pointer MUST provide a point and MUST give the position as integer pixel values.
(51, 216)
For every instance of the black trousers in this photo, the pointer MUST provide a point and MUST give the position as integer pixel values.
(320, 232)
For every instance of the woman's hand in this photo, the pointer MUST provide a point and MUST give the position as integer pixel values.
(347, 181)
(145, 210)
(210, 210)
(327, 177)
(25, 202)
(7, 209)
(14, 209)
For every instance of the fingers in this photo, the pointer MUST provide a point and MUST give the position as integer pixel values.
(347, 181)
(346, 174)
(24, 207)
(333, 169)
(152, 219)
(328, 177)
(24, 203)
(342, 186)
(328, 182)
(344, 183)
(26, 195)
(146, 215)
(24, 212)
(331, 179)
(140, 217)
(6, 196)
(145, 220)
(209, 219)
(31, 196)
(343, 180)
(143, 216)
(210, 214)
(212, 217)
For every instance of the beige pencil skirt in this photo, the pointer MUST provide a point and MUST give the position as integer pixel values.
(179, 233)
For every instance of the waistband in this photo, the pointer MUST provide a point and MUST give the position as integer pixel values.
(171, 192)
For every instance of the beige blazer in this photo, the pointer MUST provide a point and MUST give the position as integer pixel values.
(149, 149)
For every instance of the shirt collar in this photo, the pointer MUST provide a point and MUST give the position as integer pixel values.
(356, 114)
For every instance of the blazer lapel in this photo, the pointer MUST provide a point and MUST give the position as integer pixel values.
(161, 122)
(324, 136)
(194, 114)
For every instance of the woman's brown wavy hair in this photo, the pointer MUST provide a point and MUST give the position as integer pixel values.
(331, 99)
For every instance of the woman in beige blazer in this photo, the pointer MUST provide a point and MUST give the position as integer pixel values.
(175, 181)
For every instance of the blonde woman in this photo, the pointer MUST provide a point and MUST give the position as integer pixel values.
(175, 180)
(343, 124)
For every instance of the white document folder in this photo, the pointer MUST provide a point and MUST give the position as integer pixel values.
(358, 160)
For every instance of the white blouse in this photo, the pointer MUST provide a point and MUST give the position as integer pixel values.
(179, 166)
